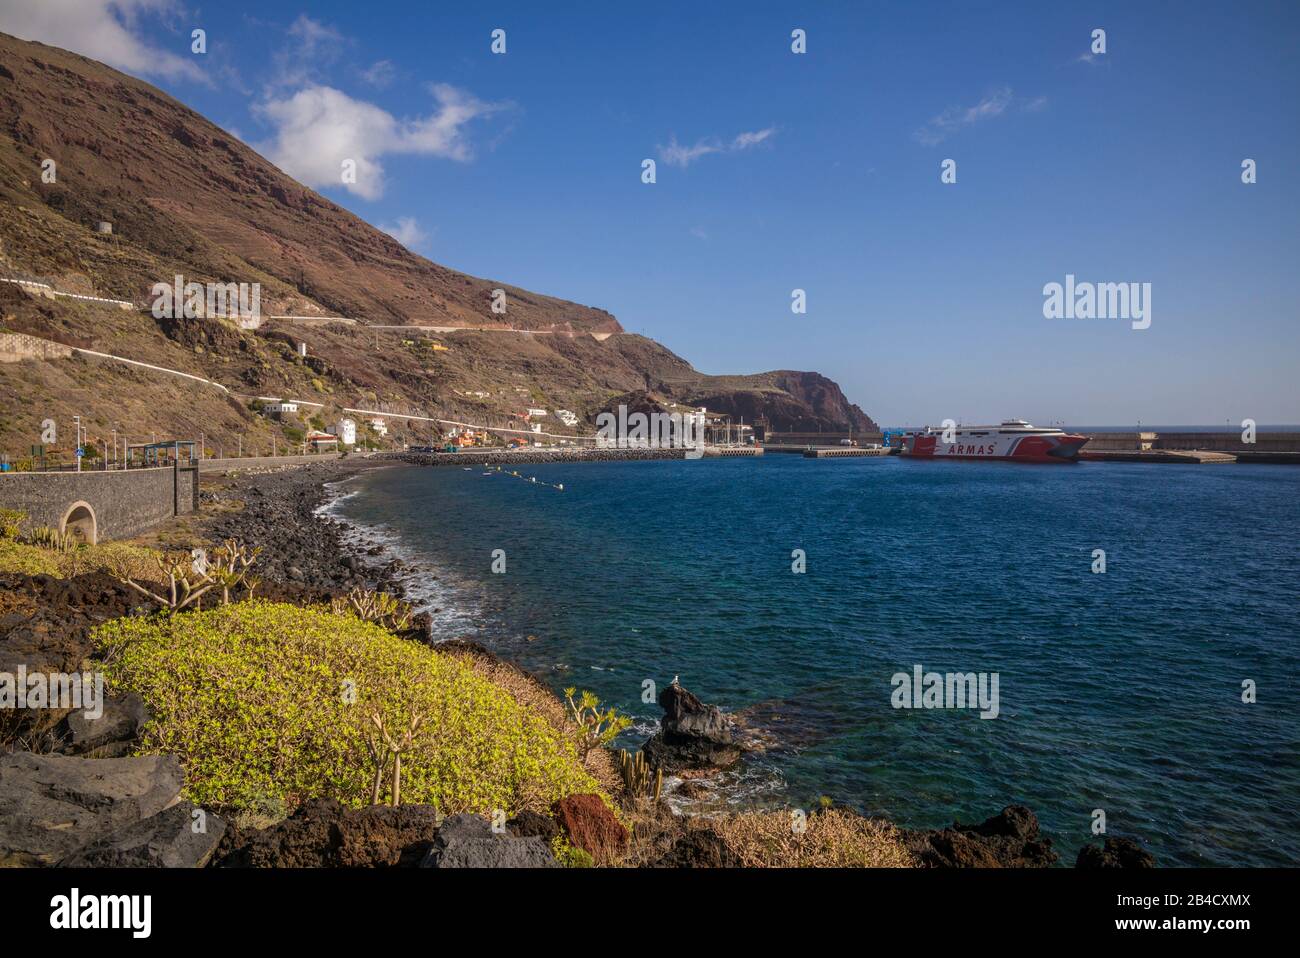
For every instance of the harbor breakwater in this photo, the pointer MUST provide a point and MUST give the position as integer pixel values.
(501, 457)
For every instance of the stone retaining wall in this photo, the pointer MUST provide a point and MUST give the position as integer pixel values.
(15, 347)
(116, 504)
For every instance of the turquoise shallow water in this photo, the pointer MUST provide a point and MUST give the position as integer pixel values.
(1119, 691)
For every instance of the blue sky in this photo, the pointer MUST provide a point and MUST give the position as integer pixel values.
(819, 171)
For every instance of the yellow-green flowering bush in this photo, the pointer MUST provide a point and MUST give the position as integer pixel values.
(266, 701)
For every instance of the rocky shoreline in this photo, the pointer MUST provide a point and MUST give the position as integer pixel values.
(128, 811)
(299, 546)
(500, 457)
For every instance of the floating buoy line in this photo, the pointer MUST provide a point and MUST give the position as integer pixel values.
(519, 475)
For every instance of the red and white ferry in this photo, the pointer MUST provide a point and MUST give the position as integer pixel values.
(1014, 440)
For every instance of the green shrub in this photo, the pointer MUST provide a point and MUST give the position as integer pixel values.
(28, 559)
(266, 700)
(570, 856)
(11, 523)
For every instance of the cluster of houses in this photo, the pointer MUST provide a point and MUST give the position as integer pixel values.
(342, 433)
(566, 416)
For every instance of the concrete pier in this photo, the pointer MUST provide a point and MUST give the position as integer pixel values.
(1202, 447)
(843, 452)
(1186, 457)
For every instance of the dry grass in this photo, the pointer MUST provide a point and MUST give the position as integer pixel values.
(107, 557)
(834, 838)
(652, 832)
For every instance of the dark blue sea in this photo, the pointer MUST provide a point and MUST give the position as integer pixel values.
(1120, 691)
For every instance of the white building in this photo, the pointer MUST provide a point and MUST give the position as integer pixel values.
(536, 413)
(346, 430)
(566, 417)
(280, 408)
(379, 426)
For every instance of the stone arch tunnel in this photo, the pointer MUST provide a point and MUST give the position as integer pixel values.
(94, 506)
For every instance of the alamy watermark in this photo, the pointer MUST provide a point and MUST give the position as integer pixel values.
(127, 912)
(658, 430)
(53, 690)
(180, 299)
(952, 690)
(1071, 300)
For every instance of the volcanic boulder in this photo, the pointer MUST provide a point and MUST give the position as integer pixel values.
(692, 735)
(699, 848)
(324, 834)
(174, 838)
(1009, 839)
(113, 733)
(467, 841)
(1115, 853)
(590, 825)
(52, 805)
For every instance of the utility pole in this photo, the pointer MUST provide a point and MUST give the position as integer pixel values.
(77, 420)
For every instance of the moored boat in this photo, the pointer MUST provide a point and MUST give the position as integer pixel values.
(1014, 440)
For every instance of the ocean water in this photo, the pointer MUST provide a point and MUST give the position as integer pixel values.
(1119, 691)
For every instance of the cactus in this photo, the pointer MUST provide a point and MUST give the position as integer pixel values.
(383, 746)
(229, 568)
(378, 607)
(595, 727)
(53, 539)
(187, 581)
(637, 776)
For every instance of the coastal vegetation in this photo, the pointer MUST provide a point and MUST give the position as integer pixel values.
(378, 607)
(27, 557)
(270, 702)
(828, 838)
(595, 727)
(269, 705)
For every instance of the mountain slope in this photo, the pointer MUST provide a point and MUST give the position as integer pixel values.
(184, 197)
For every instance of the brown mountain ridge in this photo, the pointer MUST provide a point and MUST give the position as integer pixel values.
(185, 197)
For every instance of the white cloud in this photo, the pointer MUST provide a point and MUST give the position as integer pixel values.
(406, 231)
(106, 30)
(380, 73)
(675, 154)
(744, 141)
(313, 36)
(319, 127)
(955, 118)
(309, 46)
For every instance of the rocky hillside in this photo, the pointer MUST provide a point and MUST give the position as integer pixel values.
(185, 197)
